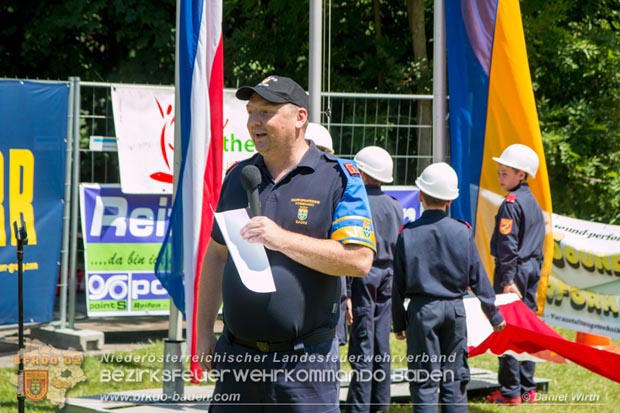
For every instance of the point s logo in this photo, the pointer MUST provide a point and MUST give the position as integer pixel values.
(122, 287)
(166, 143)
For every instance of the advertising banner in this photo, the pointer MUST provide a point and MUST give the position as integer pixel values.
(33, 116)
(408, 196)
(144, 123)
(122, 237)
(584, 286)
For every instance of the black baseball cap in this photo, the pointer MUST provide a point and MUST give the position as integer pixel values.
(276, 89)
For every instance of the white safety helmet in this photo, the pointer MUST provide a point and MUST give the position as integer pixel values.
(375, 162)
(321, 137)
(439, 180)
(520, 157)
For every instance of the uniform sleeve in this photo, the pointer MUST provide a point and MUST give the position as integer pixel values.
(507, 242)
(481, 286)
(399, 313)
(352, 220)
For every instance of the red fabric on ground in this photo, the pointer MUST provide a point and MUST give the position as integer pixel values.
(526, 333)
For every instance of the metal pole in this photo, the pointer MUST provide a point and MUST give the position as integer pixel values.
(66, 219)
(314, 60)
(173, 345)
(22, 239)
(439, 82)
(74, 199)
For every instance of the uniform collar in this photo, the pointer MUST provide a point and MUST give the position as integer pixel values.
(519, 186)
(310, 160)
(373, 189)
(434, 213)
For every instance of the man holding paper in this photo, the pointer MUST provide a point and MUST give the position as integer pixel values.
(315, 226)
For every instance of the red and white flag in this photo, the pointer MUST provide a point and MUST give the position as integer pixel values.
(198, 183)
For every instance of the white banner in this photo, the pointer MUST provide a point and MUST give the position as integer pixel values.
(144, 122)
(584, 286)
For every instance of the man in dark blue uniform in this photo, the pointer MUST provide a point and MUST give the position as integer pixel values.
(371, 296)
(516, 244)
(435, 262)
(278, 351)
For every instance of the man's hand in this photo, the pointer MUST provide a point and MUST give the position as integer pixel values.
(499, 327)
(512, 288)
(400, 335)
(263, 230)
(205, 348)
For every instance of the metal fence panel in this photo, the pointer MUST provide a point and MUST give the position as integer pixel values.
(393, 122)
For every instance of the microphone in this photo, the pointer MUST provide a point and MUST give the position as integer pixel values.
(250, 180)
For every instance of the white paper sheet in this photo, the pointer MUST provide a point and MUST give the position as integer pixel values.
(250, 259)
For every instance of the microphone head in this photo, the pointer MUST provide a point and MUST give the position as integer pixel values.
(250, 177)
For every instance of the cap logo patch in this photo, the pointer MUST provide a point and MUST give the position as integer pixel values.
(267, 80)
(505, 226)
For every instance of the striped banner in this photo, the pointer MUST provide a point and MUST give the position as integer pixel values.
(491, 107)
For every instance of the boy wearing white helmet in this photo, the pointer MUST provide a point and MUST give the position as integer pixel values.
(370, 304)
(517, 245)
(435, 263)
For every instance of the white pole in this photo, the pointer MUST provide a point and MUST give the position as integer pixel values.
(439, 82)
(314, 60)
(66, 219)
(173, 345)
(75, 201)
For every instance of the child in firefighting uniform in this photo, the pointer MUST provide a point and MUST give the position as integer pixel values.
(371, 296)
(435, 263)
(517, 245)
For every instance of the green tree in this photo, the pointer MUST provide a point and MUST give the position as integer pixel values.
(574, 53)
(100, 40)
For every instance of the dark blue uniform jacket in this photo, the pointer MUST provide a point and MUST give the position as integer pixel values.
(436, 257)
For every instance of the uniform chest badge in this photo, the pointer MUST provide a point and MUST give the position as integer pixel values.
(302, 213)
(511, 198)
(505, 226)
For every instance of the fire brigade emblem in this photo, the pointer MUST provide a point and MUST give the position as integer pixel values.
(35, 384)
(366, 229)
(302, 213)
(505, 226)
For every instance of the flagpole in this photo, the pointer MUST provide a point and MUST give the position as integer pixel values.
(314, 60)
(173, 345)
(439, 82)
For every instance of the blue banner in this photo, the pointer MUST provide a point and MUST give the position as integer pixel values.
(33, 126)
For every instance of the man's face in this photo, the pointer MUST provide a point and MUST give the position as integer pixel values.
(509, 177)
(272, 126)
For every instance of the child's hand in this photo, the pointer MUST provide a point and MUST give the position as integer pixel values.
(512, 288)
(499, 327)
(400, 335)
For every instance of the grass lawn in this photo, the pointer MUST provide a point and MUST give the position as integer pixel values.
(568, 382)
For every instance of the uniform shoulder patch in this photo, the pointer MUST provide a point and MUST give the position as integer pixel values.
(511, 198)
(467, 224)
(230, 167)
(351, 169)
(505, 226)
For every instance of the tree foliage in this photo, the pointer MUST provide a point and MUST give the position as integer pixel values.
(98, 40)
(574, 53)
(573, 50)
